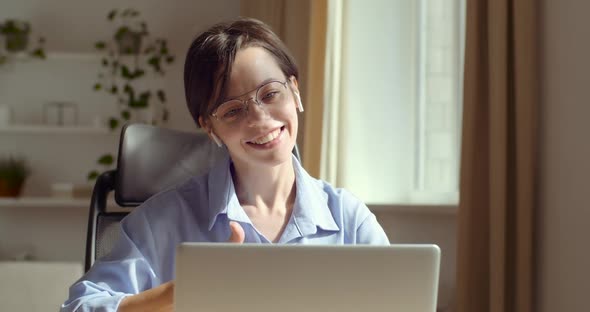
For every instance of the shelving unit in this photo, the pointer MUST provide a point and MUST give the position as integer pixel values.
(49, 202)
(54, 153)
(43, 129)
(23, 57)
(44, 202)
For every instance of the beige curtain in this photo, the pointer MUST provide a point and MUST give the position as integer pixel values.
(498, 166)
(301, 24)
(272, 12)
(315, 95)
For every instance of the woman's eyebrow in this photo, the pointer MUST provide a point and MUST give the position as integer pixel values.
(229, 98)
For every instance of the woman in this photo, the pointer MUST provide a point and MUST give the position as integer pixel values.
(241, 88)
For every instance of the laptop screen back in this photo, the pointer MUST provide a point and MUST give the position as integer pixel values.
(265, 278)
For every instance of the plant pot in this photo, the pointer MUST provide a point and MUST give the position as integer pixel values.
(10, 189)
(17, 42)
(129, 42)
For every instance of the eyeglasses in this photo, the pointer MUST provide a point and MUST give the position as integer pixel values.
(270, 94)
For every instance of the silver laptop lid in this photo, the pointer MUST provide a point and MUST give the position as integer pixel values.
(265, 278)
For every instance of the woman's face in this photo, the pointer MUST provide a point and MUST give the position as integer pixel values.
(267, 133)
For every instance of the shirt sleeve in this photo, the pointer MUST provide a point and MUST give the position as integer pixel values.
(370, 232)
(127, 270)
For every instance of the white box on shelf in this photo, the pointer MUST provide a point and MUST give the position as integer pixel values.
(62, 190)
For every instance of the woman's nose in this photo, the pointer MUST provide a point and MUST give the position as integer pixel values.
(256, 111)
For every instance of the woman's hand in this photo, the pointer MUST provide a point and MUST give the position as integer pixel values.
(161, 298)
(237, 233)
(157, 299)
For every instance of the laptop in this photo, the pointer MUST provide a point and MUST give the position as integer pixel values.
(282, 278)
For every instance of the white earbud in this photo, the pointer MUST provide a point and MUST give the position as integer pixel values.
(216, 139)
(299, 104)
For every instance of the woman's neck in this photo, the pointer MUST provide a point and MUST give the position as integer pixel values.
(270, 189)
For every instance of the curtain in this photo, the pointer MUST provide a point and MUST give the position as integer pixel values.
(272, 12)
(315, 95)
(498, 158)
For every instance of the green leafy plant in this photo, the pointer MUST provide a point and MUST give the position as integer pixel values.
(13, 173)
(126, 64)
(132, 62)
(16, 36)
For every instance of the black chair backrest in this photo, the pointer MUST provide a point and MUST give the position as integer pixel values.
(150, 160)
(153, 159)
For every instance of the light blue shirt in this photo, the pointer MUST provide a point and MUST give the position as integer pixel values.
(199, 210)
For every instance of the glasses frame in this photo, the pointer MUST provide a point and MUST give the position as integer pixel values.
(245, 102)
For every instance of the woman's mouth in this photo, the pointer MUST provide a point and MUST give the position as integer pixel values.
(269, 140)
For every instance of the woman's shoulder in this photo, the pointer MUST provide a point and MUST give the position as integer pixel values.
(352, 216)
(338, 193)
(340, 201)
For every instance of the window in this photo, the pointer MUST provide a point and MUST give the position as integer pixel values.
(394, 117)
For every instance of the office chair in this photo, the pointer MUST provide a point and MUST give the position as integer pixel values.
(150, 160)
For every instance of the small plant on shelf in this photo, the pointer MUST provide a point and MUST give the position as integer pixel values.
(132, 67)
(16, 38)
(13, 173)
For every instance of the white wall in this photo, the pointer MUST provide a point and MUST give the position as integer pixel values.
(47, 234)
(564, 256)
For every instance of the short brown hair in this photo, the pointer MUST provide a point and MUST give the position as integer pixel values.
(209, 61)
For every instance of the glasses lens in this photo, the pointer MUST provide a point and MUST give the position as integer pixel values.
(231, 111)
(271, 93)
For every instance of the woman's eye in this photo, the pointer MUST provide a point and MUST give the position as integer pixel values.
(232, 113)
(270, 95)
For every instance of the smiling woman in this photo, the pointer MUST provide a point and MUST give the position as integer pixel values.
(241, 86)
(245, 128)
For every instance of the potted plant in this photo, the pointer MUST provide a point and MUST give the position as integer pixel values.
(16, 36)
(126, 65)
(13, 173)
(129, 32)
(132, 67)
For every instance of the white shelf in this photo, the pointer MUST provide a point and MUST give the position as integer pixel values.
(42, 129)
(24, 57)
(48, 202)
(82, 56)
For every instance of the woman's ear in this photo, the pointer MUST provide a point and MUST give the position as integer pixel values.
(204, 124)
(207, 126)
(295, 83)
(295, 88)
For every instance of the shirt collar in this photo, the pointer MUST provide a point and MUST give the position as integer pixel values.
(310, 210)
(222, 194)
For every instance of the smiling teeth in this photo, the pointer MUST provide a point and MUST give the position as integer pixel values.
(269, 137)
